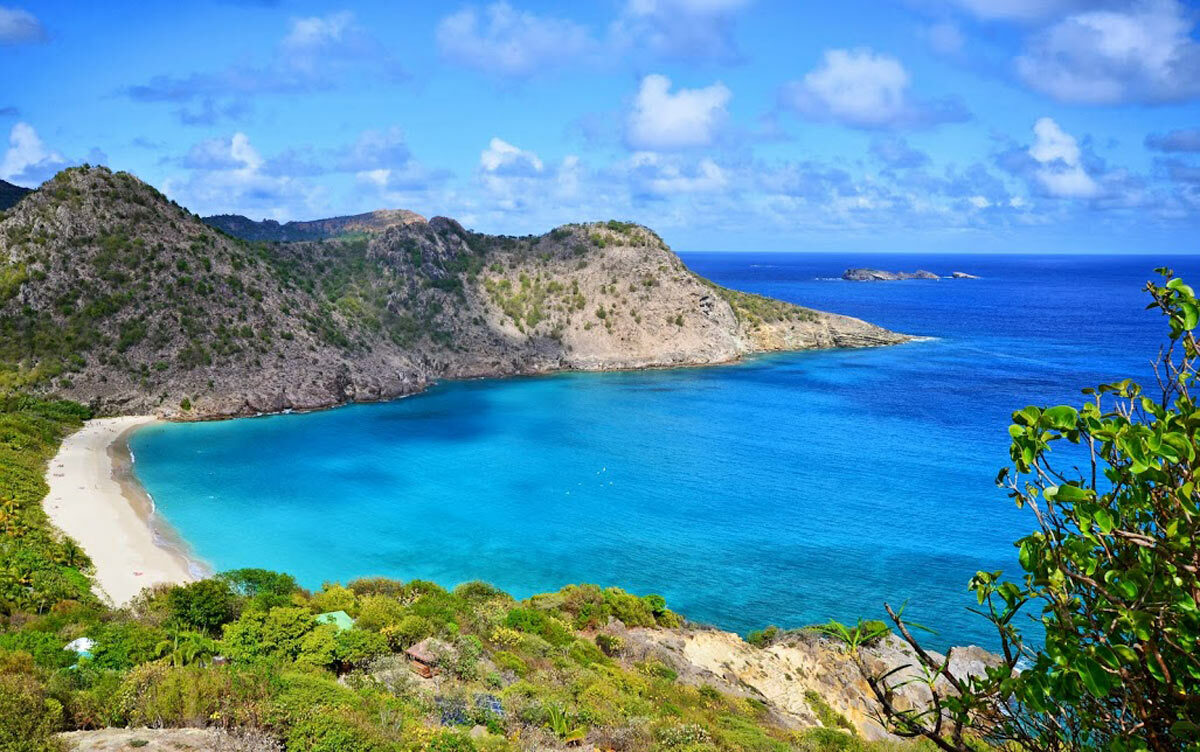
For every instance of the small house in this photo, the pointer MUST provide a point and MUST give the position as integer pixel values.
(339, 619)
(81, 647)
(423, 657)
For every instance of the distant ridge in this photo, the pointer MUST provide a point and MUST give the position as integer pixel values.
(10, 194)
(268, 230)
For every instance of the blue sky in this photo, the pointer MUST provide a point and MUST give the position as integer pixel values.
(915, 125)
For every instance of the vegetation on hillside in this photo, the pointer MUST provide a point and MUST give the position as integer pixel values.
(113, 295)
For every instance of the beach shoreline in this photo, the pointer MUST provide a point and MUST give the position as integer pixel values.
(95, 499)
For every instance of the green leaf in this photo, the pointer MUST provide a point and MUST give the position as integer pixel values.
(1062, 417)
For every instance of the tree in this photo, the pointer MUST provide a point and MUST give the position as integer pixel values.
(1110, 571)
(206, 604)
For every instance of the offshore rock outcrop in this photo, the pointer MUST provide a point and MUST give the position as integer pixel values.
(877, 275)
(112, 295)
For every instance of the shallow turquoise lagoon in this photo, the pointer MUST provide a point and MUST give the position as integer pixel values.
(786, 489)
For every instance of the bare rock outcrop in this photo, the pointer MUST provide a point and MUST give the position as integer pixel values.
(805, 678)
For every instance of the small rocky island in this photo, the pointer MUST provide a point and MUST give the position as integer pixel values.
(877, 275)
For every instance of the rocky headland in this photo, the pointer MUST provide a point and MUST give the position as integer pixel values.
(112, 295)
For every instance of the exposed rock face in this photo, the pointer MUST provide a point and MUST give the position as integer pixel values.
(876, 275)
(10, 194)
(792, 673)
(963, 275)
(269, 230)
(112, 295)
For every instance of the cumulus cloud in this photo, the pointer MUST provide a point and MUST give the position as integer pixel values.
(896, 153)
(503, 41)
(27, 160)
(656, 175)
(502, 158)
(1186, 139)
(1060, 171)
(864, 89)
(316, 53)
(1145, 53)
(516, 179)
(681, 29)
(662, 120)
(227, 175)
(18, 26)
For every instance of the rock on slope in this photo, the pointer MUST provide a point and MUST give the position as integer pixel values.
(805, 678)
(113, 295)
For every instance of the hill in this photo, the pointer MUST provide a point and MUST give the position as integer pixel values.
(268, 230)
(112, 295)
(10, 194)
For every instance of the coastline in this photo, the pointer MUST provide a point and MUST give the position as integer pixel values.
(95, 499)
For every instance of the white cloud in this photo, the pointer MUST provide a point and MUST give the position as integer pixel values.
(27, 159)
(687, 118)
(685, 29)
(316, 53)
(315, 32)
(1143, 54)
(1061, 173)
(504, 41)
(227, 175)
(864, 89)
(654, 174)
(503, 158)
(19, 26)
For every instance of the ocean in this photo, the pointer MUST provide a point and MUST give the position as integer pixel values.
(787, 489)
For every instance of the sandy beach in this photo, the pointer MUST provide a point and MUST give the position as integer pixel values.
(93, 500)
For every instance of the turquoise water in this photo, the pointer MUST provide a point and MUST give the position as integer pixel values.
(786, 489)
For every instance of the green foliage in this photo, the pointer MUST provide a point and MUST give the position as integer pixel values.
(204, 605)
(763, 637)
(756, 310)
(38, 567)
(828, 717)
(1110, 571)
(28, 715)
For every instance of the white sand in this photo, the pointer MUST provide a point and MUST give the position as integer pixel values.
(89, 502)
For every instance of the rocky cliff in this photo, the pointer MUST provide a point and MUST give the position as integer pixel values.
(111, 294)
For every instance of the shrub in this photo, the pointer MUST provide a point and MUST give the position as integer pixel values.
(28, 717)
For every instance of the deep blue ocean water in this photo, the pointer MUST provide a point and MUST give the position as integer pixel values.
(787, 489)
